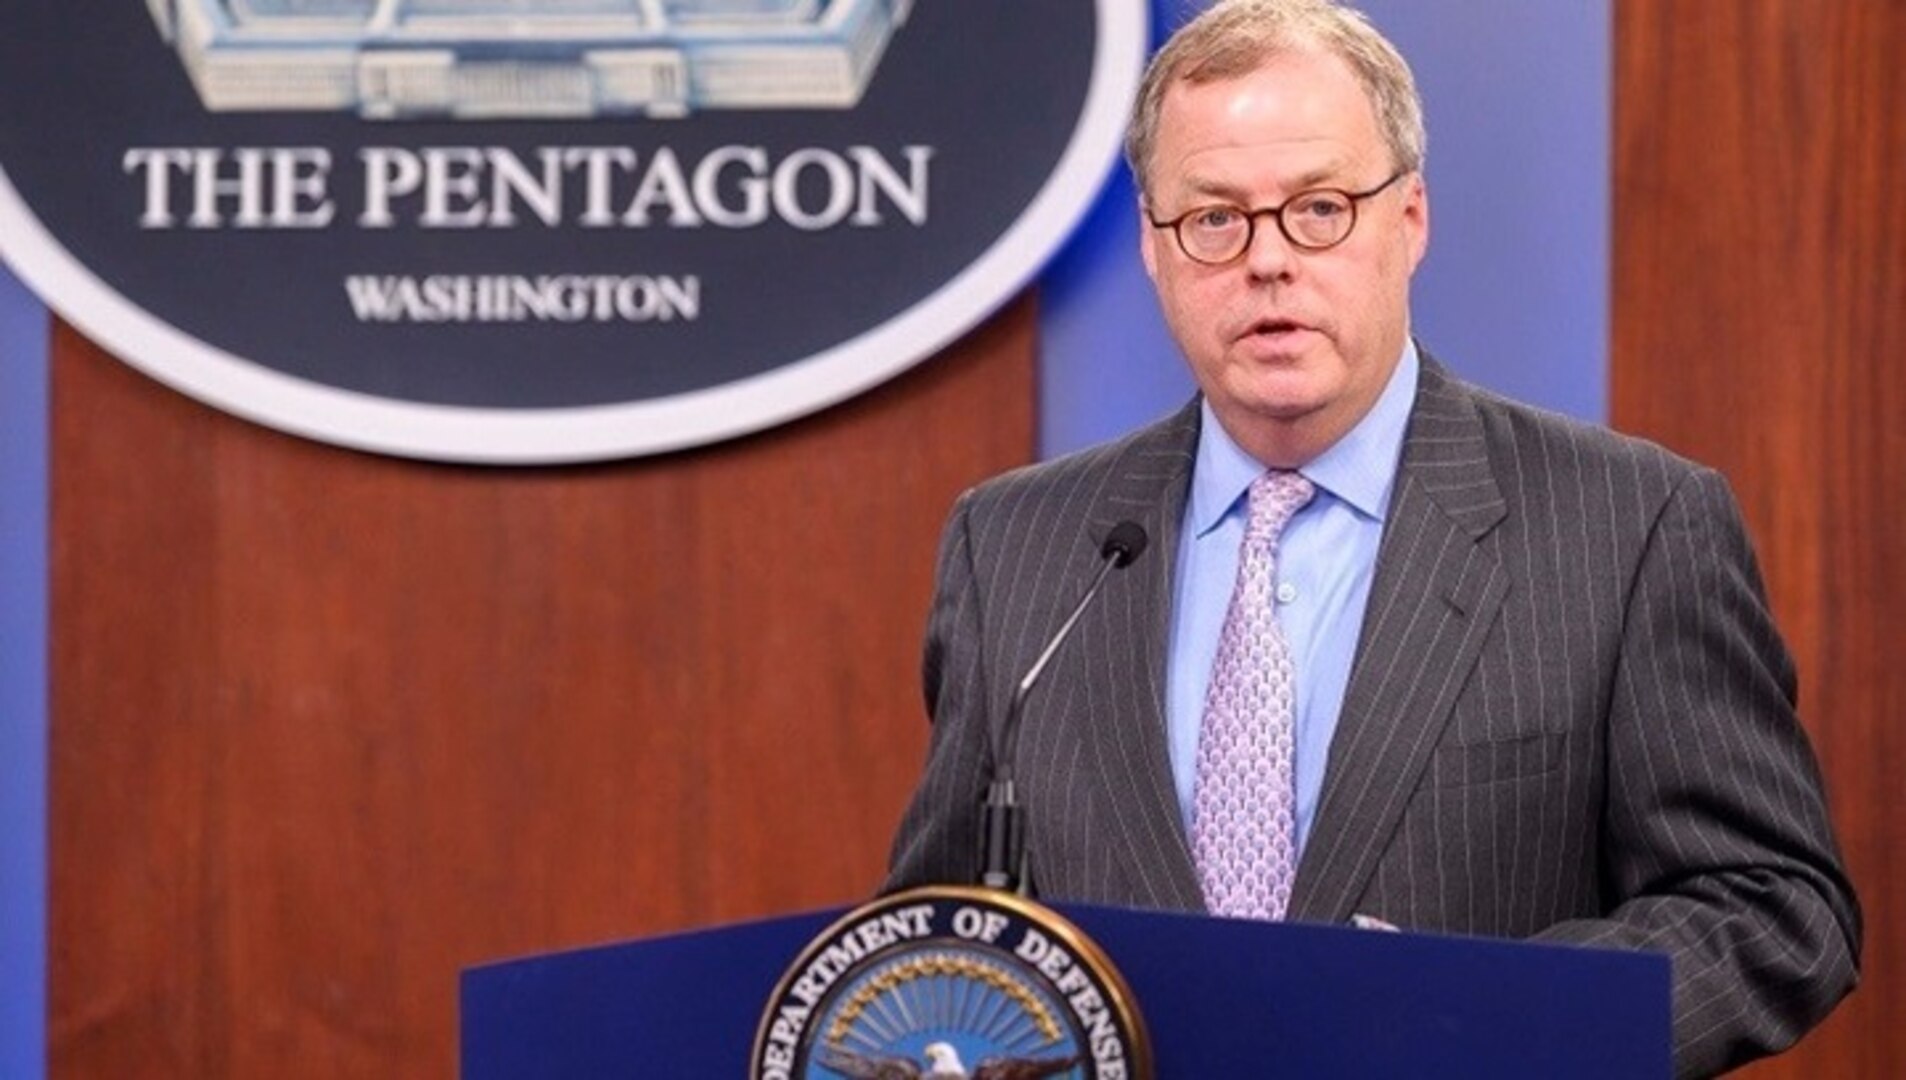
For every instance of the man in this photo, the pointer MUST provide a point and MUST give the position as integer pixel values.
(1402, 650)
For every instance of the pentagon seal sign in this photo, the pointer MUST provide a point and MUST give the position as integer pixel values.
(564, 230)
(951, 983)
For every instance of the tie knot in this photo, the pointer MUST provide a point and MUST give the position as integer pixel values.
(1274, 498)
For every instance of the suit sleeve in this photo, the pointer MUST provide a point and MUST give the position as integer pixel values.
(1716, 848)
(938, 839)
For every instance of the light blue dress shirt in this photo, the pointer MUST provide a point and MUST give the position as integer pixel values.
(1325, 561)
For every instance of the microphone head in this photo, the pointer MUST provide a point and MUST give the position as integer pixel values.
(1124, 543)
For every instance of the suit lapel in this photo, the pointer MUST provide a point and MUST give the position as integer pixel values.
(1437, 589)
(1148, 485)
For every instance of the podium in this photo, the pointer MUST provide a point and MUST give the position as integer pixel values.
(1221, 998)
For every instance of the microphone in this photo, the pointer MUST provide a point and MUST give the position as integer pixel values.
(1003, 830)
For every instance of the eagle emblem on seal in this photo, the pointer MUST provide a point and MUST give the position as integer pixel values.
(942, 1063)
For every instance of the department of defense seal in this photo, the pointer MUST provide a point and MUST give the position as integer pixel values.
(951, 983)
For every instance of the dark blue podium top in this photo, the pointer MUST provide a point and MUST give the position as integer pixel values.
(1220, 998)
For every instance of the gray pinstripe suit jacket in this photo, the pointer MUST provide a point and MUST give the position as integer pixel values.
(1570, 716)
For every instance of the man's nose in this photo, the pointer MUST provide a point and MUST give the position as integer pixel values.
(1270, 256)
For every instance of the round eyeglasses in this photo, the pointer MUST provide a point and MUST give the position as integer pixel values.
(1314, 220)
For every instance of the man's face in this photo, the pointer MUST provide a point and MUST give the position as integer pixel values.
(1290, 347)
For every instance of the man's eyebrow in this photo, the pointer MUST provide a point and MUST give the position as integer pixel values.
(1327, 175)
(1322, 176)
(1217, 189)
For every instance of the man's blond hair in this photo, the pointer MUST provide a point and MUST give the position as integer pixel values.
(1235, 37)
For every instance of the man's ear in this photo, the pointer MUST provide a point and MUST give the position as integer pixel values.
(1147, 241)
(1416, 216)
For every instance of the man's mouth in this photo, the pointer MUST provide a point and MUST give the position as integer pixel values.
(1275, 328)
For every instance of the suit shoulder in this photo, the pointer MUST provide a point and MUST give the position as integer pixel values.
(1563, 448)
(1076, 480)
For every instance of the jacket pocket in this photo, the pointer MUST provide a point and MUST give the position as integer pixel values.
(1514, 758)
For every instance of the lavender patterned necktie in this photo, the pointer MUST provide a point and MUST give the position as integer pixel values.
(1244, 800)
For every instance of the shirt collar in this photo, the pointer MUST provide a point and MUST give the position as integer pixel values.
(1358, 469)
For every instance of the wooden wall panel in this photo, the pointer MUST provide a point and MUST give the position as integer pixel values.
(328, 727)
(1760, 326)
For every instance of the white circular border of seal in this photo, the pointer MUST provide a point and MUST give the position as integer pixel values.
(603, 432)
(1116, 993)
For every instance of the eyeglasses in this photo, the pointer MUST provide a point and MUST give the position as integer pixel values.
(1314, 220)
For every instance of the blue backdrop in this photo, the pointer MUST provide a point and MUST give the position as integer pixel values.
(1514, 295)
(22, 680)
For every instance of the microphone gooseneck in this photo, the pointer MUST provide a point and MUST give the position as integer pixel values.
(1002, 828)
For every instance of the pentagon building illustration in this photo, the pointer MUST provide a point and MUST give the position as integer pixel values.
(485, 59)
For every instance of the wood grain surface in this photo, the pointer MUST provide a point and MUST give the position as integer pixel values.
(328, 727)
(1760, 326)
